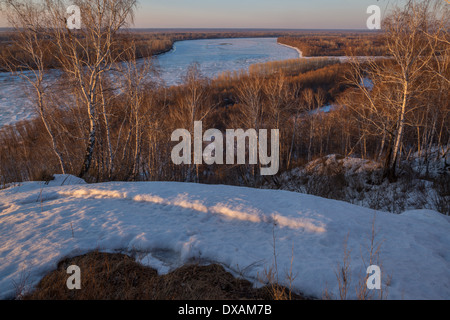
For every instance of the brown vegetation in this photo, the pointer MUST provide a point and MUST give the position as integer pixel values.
(119, 277)
(148, 43)
(159, 112)
(337, 44)
(403, 111)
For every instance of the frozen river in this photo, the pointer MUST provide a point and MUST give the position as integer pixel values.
(214, 56)
(219, 55)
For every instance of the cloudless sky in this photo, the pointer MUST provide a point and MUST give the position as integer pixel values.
(285, 14)
(290, 14)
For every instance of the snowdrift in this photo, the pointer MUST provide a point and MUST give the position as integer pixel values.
(172, 223)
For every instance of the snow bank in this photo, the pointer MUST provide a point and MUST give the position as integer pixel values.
(172, 223)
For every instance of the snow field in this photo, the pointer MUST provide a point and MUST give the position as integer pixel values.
(173, 223)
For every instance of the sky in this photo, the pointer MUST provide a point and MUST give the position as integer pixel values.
(271, 14)
(287, 14)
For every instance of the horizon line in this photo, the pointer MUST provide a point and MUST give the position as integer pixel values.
(239, 29)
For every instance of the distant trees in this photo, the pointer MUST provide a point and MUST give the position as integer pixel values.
(336, 44)
(292, 66)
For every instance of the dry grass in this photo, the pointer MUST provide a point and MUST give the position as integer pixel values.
(270, 276)
(119, 277)
(370, 257)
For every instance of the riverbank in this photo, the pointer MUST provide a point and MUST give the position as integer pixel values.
(296, 49)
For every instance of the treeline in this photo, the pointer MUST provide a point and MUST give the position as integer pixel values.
(291, 67)
(119, 128)
(147, 43)
(340, 44)
(11, 49)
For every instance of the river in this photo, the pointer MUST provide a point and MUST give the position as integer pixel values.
(214, 57)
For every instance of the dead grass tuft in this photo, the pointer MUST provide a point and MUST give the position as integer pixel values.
(106, 276)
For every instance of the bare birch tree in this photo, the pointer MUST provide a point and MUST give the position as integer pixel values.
(29, 23)
(398, 79)
(192, 106)
(88, 53)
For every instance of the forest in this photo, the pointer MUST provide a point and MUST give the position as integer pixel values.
(392, 111)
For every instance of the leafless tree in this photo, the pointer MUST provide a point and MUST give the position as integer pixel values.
(398, 80)
(137, 80)
(88, 53)
(29, 22)
(83, 55)
(192, 106)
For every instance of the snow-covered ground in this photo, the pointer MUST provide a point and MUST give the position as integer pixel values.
(15, 103)
(172, 223)
(16, 95)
